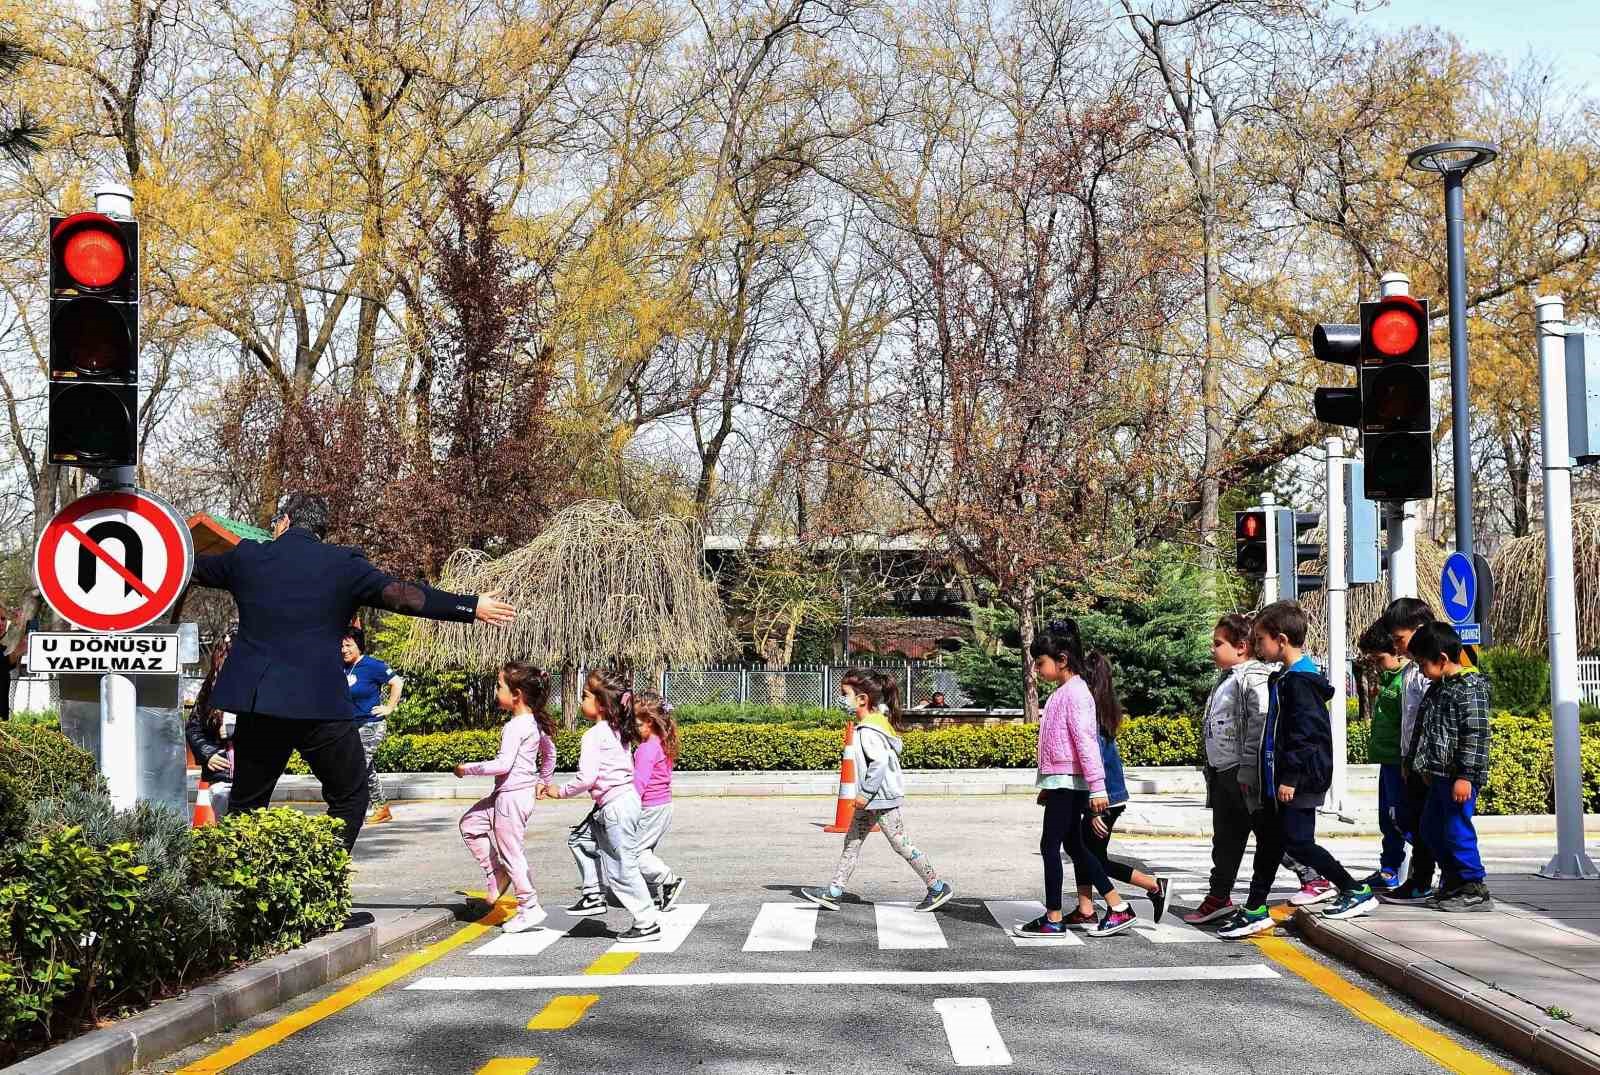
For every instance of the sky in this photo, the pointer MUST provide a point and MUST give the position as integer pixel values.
(1567, 32)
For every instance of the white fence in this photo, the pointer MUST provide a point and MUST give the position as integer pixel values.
(1589, 680)
(807, 685)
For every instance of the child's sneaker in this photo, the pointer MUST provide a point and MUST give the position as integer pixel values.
(1246, 922)
(1115, 922)
(670, 891)
(1407, 895)
(937, 897)
(1314, 892)
(1078, 920)
(1158, 900)
(529, 917)
(637, 932)
(823, 897)
(588, 906)
(1472, 896)
(1210, 910)
(1382, 880)
(1352, 904)
(1042, 928)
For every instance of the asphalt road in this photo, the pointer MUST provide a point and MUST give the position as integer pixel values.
(748, 982)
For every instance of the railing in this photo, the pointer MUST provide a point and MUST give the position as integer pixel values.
(1589, 680)
(806, 685)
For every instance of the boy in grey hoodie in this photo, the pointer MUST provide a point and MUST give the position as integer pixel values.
(881, 791)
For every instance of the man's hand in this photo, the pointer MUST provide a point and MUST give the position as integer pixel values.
(460, 771)
(1285, 794)
(219, 763)
(493, 611)
(1461, 792)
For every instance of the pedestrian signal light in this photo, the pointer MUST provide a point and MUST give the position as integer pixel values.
(1250, 542)
(94, 341)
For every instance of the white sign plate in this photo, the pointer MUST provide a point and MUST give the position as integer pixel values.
(56, 653)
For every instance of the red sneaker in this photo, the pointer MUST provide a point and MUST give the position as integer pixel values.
(1080, 920)
(1209, 910)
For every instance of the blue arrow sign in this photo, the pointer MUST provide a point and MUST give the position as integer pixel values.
(1458, 588)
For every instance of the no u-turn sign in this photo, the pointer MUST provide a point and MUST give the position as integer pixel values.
(114, 561)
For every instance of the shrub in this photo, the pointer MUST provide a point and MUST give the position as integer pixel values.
(795, 716)
(1519, 681)
(1161, 741)
(45, 764)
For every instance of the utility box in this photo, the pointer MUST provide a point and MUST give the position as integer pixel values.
(1583, 396)
(1361, 525)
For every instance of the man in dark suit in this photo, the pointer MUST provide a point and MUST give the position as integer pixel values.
(284, 677)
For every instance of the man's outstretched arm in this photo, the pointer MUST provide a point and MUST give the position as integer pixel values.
(382, 590)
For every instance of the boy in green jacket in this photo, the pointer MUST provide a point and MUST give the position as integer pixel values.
(1384, 748)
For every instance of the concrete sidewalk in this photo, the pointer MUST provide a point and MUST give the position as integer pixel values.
(1526, 975)
(1165, 801)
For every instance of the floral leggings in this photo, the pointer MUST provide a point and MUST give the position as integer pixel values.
(894, 830)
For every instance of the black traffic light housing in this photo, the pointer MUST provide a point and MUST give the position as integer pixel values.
(1339, 344)
(1292, 552)
(1250, 542)
(94, 341)
(1396, 401)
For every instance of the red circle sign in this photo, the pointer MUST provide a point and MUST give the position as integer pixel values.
(114, 561)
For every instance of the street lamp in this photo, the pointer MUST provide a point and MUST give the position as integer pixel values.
(1453, 160)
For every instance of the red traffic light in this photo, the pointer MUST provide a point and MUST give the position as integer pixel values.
(1395, 329)
(1394, 332)
(91, 252)
(1251, 525)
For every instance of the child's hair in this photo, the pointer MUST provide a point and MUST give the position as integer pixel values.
(1436, 641)
(881, 691)
(1284, 618)
(1376, 639)
(1062, 642)
(210, 715)
(1236, 629)
(610, 689)
(1407, 613)
(533, 684)
(650, 706)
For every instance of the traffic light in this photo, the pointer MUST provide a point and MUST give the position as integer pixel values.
(1340, 344)
(1396, 405)
(1292, 552)
(1250, 542)
(94, 341)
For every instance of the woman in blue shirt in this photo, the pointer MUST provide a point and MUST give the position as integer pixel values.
(367, 677)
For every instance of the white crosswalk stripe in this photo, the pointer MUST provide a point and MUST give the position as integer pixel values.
(975, 1041)
(902, 927)
(676, 925)
(783, 927)
(534, 941)
(1010, 913)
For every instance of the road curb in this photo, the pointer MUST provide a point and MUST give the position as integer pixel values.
(1512, 1023)
(207, 1009)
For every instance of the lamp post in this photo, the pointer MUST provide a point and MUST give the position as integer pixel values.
(1453, 160)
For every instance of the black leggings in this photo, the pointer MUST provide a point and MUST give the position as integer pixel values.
(1064, 810)
(1100, 846)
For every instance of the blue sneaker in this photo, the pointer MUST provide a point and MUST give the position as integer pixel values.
(1246, 922)
(937, 897)
(1382, 880)
(823, 897)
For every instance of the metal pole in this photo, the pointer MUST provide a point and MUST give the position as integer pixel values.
(1570, 859)
(1338, 628)
(119, 740)
(1460, 423)
(1400, 517)
(1269, 580)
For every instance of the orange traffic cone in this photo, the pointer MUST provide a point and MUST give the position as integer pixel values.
(203, 814)
(844, 810)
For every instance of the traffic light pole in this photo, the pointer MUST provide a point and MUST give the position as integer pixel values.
(1460, 423)
(1338, 628)
(1269, 580)
(1570, 859)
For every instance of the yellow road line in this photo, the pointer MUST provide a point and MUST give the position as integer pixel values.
(509, 1065)
(1428, 1042)
(612, 963)
(563, 1012)
(267, 1037)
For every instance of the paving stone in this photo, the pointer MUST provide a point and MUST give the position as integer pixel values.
(1413, 932)
(243, 993)
(100, 1052)
(170, 1026)
(1568, 1050)
(1441, 988)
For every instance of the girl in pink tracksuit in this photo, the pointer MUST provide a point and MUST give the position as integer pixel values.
(652, 778)
(495, 826)
(1072, 784)
(605, 771)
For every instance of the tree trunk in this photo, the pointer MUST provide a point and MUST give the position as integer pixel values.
(569, 695)
(1030, 683)
(1210, 393)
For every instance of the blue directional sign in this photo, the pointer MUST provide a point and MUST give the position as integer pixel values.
(1458, 588)
(1471, 634)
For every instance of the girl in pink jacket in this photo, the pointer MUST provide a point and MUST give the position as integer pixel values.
(1072, 784)
(495, 826)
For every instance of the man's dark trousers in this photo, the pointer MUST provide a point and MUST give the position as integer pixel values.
(261, 748)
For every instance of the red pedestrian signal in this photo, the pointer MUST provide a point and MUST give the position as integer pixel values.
(1396, 399)
(1250, 542)
(94, 341)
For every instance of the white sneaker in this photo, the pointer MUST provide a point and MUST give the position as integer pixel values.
(529, 917)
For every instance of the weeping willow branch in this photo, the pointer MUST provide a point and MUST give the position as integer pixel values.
(596, 587)
(1519, 615)
(1364, 603)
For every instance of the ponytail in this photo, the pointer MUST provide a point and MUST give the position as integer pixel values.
(881, 689)
(1107, 708)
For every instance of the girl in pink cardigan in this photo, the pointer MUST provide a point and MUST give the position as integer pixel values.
(1072, 785)
(495, 826)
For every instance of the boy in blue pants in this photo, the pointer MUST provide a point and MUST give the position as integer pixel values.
(1450, 750)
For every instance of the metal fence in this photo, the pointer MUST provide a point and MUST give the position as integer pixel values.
(1589, 680)
(804, 685)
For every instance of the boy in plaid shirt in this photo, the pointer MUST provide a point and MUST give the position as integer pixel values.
(1450, 749)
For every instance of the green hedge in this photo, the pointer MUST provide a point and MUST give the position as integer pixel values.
(102, 912)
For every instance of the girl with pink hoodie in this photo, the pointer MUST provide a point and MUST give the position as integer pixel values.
(495, 826)
(1072, 785)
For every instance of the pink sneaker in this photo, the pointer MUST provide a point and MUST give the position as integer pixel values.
(1314, 892)
(1209, 910)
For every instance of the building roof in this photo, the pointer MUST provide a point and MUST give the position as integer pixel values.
(215, 533)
